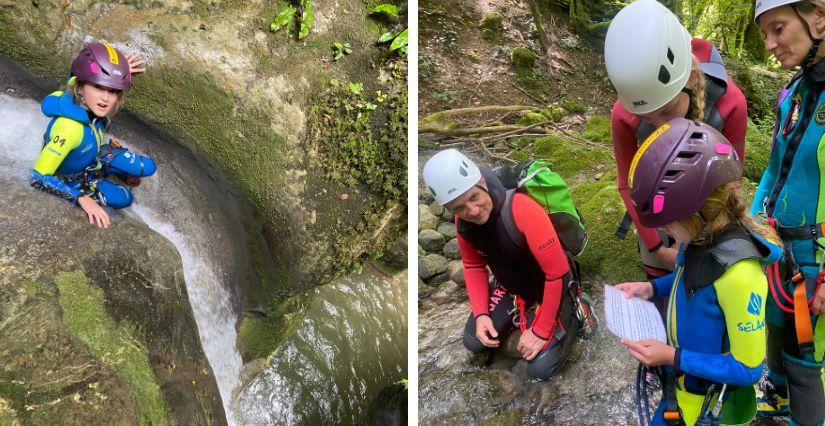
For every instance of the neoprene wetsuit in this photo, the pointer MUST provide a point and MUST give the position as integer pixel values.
(75, 162)
(538, 277)
(732, 112)
(716, 317)
(792, 191)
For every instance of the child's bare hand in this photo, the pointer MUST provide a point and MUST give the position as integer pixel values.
(136, 63)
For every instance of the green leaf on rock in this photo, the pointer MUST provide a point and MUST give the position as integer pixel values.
(385, 9)
(306, 20)
(400, 41)
(282, 19)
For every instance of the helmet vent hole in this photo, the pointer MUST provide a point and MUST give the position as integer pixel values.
(103, 70)
(664, 75)
(463, 171)
(699, 136)
(670, 56)
(432, 190)
(673, 175)
(686, 157)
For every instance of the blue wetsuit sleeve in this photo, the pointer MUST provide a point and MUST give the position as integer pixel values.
(53, 185)
(662, 285)
(741, 292)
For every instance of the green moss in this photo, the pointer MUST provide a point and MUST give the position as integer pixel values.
(574, 107)
(568, 158)
(554, 113)
(363, 137)
(531, 118)
(85, 316)
(492, 21)
(507, 418)
(757, 150)
(523, 59)
(259, 337)
(599, 129)
(606, 257)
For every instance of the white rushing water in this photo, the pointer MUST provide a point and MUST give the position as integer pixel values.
(165, 208)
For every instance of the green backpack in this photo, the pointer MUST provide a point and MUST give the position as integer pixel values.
(548, 189)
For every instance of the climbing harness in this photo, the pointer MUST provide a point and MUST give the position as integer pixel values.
(798, 304)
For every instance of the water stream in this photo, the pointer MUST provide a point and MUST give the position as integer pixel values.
(353, 339)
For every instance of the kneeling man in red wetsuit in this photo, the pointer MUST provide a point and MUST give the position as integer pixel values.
(538, 277)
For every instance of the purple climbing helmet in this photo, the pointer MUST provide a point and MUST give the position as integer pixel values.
(677, 168)
(102, 64)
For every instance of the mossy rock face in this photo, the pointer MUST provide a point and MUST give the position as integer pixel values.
(523, 59)
(492, 21)
(225, 87)
(95, 329)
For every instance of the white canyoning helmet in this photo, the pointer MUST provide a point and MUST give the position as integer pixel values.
(763, 6)
(648, 56)
(449, 174)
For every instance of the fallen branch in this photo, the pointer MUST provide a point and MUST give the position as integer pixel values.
(438, 116)
(466, 131)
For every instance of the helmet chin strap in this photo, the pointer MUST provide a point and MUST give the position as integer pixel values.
(809, 59)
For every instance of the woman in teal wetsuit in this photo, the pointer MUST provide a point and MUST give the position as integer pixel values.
(684, 179)
(791, 193)
(75, 164)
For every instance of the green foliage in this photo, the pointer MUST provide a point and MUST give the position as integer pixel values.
(283, 18)
(760, 90)
(339, 50)
(363, 137)
(84, 314)
(399, 40)
(305, 18)
(757, 149)
(574, 107)
(386, 10)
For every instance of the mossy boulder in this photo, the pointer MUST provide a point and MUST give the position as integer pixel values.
(523, 59)
(492, 21)
(95, 328)
(531, 118)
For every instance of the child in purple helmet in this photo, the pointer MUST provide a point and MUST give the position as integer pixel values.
(683, 179)
(75, 163)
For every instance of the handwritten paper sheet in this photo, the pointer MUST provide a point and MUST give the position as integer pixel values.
(632, 319)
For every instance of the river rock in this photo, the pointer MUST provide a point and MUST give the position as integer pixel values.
(426, 219)
(431, 240)
(455, 269)
(104, 309)
(438, 279)
(436, 209)
(446, 229)
(448, 216)
(451, 250)
(430, 265)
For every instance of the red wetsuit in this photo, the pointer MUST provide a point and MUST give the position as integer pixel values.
(734, 113)
(532, 221)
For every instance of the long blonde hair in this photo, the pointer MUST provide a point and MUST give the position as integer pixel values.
(74, 87)
(724, 206)
(697, 101)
